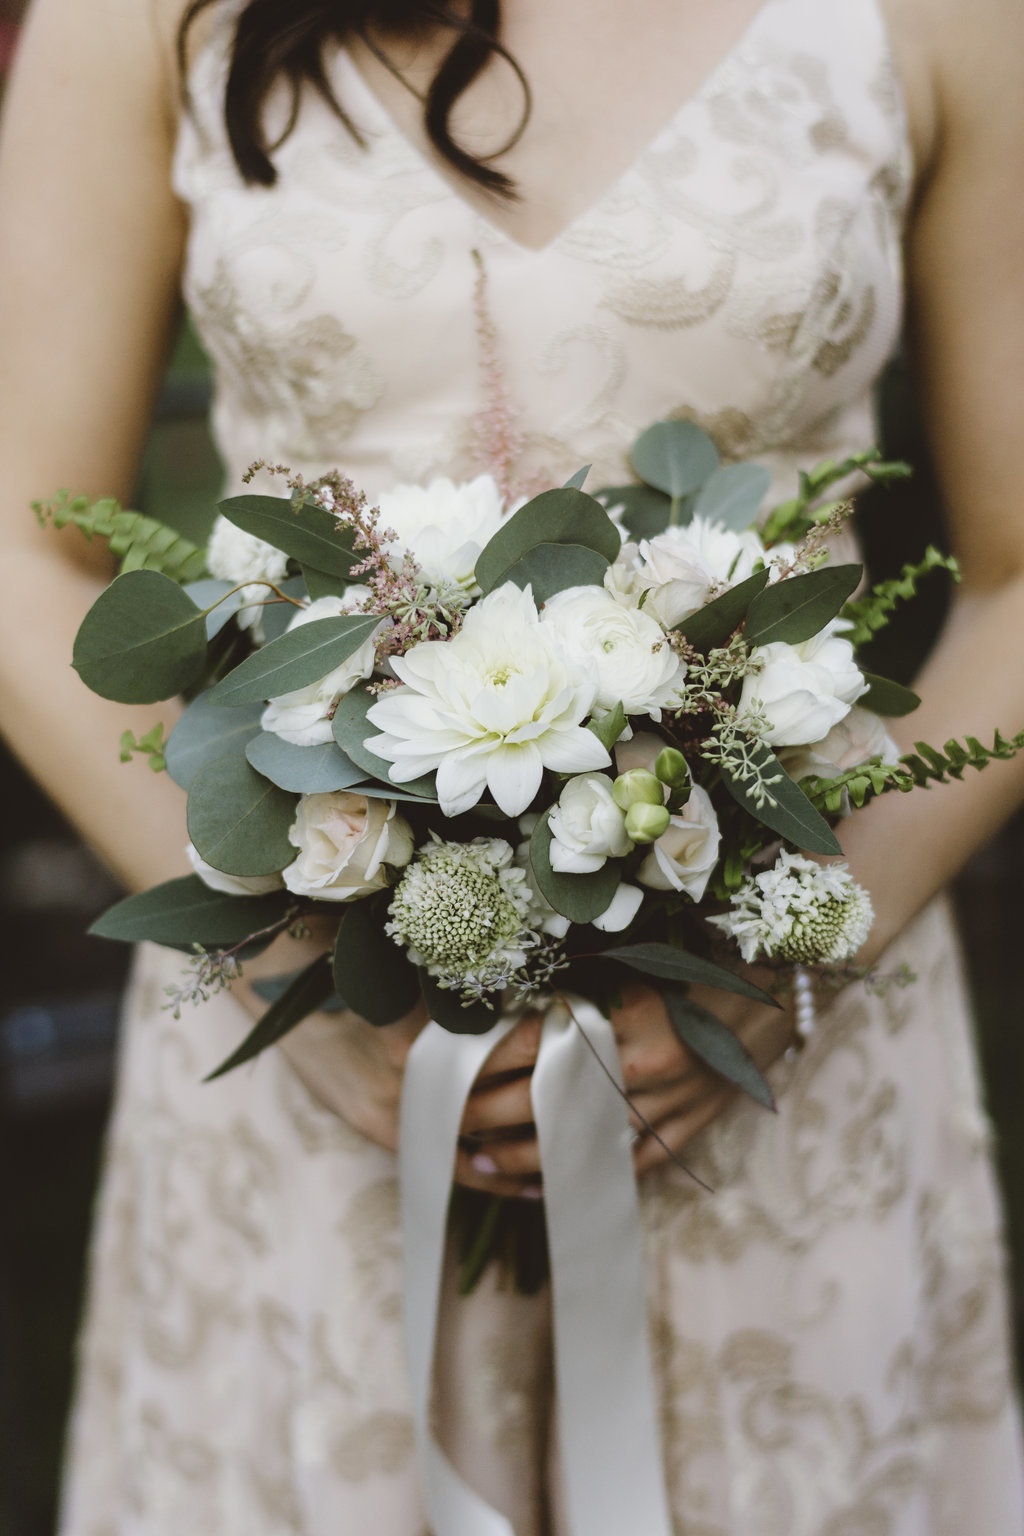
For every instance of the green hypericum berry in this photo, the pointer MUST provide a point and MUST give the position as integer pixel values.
(637, 786)
(646, 823)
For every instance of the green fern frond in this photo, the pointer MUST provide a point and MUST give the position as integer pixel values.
(793, 518)
(860, 784)
(871, 613)
(915, 770)
(141, 543)
(931, 766)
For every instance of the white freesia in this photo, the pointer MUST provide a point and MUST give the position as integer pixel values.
(489, 709)
(304, 715)
(685, 855)
(804, 690)
(344, 841)
(587, 827)
(634, 662)
(444, 526)
(234, 555)
(231, 885)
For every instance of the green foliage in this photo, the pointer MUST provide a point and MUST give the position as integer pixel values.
(458, 1018)
(799, 607)
(888, 698)
(871, 613)
(717, 1046)
(733, 494)
(351, 728)
(567, 516)
(580, 898)
(185, 912)
(676, 457)
(152, 745)
(316, 770)
(645, 511)
(793, 518)
(371, 972)
(141, 543)
(296, 659)
(859, 784)
(610, 727)
(320, 584)
(672, 964)
(142, 640)
(550, 568)
(303, 996)
(928, 765)
(915, 770)
(238, 820)
(308, 533)
(577, 481)
(220, 600)
(712, 625)
(775, 800)
(206, 732)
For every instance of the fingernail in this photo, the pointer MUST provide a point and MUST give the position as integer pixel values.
(532, 1192)
(484, 1164)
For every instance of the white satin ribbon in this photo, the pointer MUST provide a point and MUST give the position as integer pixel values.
(607, 1418)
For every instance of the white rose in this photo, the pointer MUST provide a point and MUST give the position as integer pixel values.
(587, 826)
(681, 564)
(685, 855)
(304, 715)
(628, 649)
(234, 555)
(344, 841)
(444, 526)
(860, 736)
(804, 690)
(231, 885)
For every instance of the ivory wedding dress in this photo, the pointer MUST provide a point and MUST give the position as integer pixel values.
(829, 1324)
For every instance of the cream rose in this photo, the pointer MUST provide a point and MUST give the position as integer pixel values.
(304, 715)
(627, 647)
(859, 736)
(685, 855)
(344, 841)
(804, 690)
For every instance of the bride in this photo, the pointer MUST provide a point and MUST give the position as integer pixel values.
(621, 213)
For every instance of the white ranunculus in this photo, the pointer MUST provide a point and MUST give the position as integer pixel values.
(489, 709)
(634, 661)
(685, 855)
(234, 555)
(621, 910)
(444, 526)
(859, 736)
(231, 885)
(304, 715)
(681, 564)
(344, 841)
(587, 826)
(804, 690)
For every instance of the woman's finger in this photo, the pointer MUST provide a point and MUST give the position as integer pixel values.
(674, 1134)
(499, 1107)
(507, 1168)
(515, 1053)
(671, 1100)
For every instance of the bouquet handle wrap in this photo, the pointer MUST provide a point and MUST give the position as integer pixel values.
(607, 1419)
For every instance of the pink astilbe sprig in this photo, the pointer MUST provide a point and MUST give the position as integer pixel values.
(499, 439)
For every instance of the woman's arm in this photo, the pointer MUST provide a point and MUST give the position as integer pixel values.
(90, 250)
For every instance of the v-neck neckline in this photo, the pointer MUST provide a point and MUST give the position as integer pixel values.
(704, 88)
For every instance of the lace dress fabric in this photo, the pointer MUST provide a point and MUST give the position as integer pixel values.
(830, 1324)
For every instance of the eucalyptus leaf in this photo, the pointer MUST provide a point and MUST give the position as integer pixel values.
(733, 495)
(447, 1009)
(207, 731)
(610, 728)
(792, 815)
(186, 911)
(672, 964)
(799, 607)
(296, 660)
(351, 728)
(577, 481)
(316, 770)
(238, 820)
(142, 640)
(565, 516)
(645, 511)
(550, 568)
(321, 584)
(712, 625)
(371, 971)
(305, 994)
(717, 1046)
(275, 616)
(887, 698)
(675, 457)
(311, 534)
(208, 592)
(580, 898)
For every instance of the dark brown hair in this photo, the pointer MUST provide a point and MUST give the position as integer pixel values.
(286, 39)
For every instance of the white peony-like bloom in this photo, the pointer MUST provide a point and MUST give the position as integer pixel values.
(304, 715)
(800, 911)
(344, 842)
(231, 885)
(489, 709)
(677, 569)
(234, 555)
(804, 690)
(444, 526)
(587, 827)
(859, 736)
(634, 662)
(684, 856)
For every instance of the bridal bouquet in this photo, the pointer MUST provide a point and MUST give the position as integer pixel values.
(513, 750)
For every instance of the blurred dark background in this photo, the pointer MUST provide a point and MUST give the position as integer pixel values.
(58, 1010)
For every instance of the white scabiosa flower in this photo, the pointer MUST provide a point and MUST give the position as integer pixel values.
(634, 662)
(464, 911)
(303, 716)
(234, 555)
(489, 709)
(800, 911)
(444, 526)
